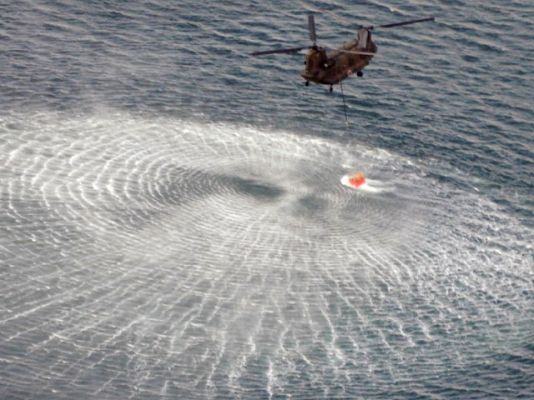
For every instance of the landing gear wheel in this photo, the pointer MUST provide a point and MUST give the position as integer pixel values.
(307, 83)
(331, 89)
(359, 74)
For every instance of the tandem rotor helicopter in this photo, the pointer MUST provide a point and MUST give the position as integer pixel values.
(329, 66)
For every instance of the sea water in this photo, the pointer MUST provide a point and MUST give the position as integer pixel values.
(173, 223)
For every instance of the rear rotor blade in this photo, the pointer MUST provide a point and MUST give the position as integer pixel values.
(361, 53)
(311, 29)
(279, 51)
(414, 21)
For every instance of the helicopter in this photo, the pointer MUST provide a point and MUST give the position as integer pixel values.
(329, 66)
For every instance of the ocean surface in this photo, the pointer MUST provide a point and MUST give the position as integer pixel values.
(173, 223)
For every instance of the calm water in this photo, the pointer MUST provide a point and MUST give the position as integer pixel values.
(173, 223)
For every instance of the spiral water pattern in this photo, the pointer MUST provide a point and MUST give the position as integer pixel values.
(189, 259)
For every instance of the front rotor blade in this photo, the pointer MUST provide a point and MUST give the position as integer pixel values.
(279, 51)
(311, 29)
(414, 21)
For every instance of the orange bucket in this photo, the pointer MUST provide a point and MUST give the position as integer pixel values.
(357, 179)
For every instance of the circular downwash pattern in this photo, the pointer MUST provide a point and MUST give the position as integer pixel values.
(150, 257)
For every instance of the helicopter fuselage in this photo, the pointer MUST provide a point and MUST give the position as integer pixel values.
(330, 67)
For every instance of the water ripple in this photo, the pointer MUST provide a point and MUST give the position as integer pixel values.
(167, 257)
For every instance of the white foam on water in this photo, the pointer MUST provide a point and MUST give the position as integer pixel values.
(369, 186)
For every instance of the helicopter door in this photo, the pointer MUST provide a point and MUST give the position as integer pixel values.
(363, 34)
